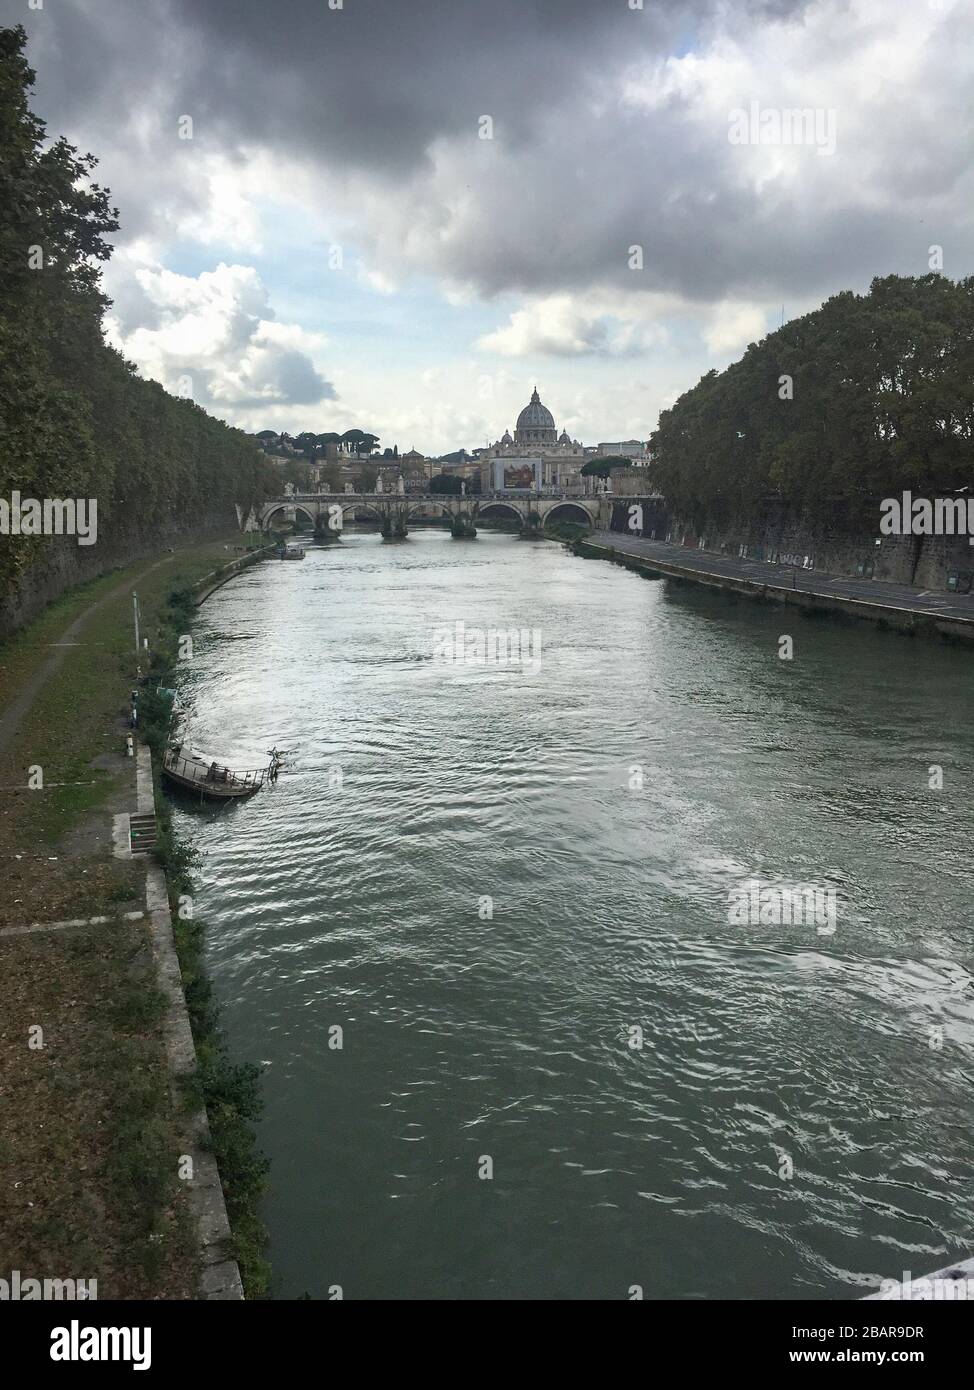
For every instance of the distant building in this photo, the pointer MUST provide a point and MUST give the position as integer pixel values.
(390, 476)
(468, 470)
(535, 436)
(634, 449)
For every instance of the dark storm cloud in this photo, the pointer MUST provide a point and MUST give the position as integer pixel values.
(369, 98)
(367, 86)
(374, 83)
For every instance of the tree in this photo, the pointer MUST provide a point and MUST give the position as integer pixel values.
(602, 467)
(446, 483)
(75, 418)
(298, 472)
(866, 396)
(307, 444)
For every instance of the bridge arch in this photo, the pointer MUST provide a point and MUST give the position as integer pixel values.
(360, 506)
(509, 509)
(418, 507)
(569, 511)
(287, 506)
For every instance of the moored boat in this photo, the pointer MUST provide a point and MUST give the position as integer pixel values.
(208, 778)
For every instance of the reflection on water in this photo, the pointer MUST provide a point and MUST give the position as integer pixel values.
(497, 882)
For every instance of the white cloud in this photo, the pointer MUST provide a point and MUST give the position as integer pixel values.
(217, 329)
(380, 282)
(564, 325)
(231, 193)
(731, 326)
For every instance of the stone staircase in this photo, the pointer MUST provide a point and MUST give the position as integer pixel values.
(143, 836)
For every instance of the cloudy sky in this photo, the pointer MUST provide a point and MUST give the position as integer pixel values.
(401, 214)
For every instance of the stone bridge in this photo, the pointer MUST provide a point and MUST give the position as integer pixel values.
(393, 511)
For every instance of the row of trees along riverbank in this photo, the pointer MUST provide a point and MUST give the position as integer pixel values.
(75, 419)
(863, 398)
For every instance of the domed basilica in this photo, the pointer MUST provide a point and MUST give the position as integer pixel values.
(536, 443)
(535, 424)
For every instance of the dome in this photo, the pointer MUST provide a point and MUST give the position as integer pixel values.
(535, 424)
(535, 416)
(507, 438)
(563, 438)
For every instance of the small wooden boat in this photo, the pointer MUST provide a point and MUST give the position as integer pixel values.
(208, 778)
(291, 552)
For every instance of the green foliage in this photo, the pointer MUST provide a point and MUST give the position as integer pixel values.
(233, 1102)
(298, 473)
(601, 468)
(565, 530)
(307, 443)
(882, 399)
(75, 419)
(447, 484)
(230, 1093)
(354, 439)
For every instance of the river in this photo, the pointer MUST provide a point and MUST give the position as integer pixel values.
(561, 1071)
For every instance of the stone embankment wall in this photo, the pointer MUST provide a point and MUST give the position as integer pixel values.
(837, 544)
(220, 1273)
(61, 564)
(895, 614)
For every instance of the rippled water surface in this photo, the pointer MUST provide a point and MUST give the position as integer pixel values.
(359, 907)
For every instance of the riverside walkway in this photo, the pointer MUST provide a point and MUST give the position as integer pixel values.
(900, 605)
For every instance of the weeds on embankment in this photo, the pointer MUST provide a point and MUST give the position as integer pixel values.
(230, 1092)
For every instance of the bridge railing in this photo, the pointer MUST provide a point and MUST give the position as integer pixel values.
(507, 495)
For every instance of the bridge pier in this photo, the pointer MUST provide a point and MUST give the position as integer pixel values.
(462, 527)
(395, 523)
(324, 532)
(533, 528)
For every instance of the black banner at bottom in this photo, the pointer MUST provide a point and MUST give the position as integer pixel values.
(172, 1339)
